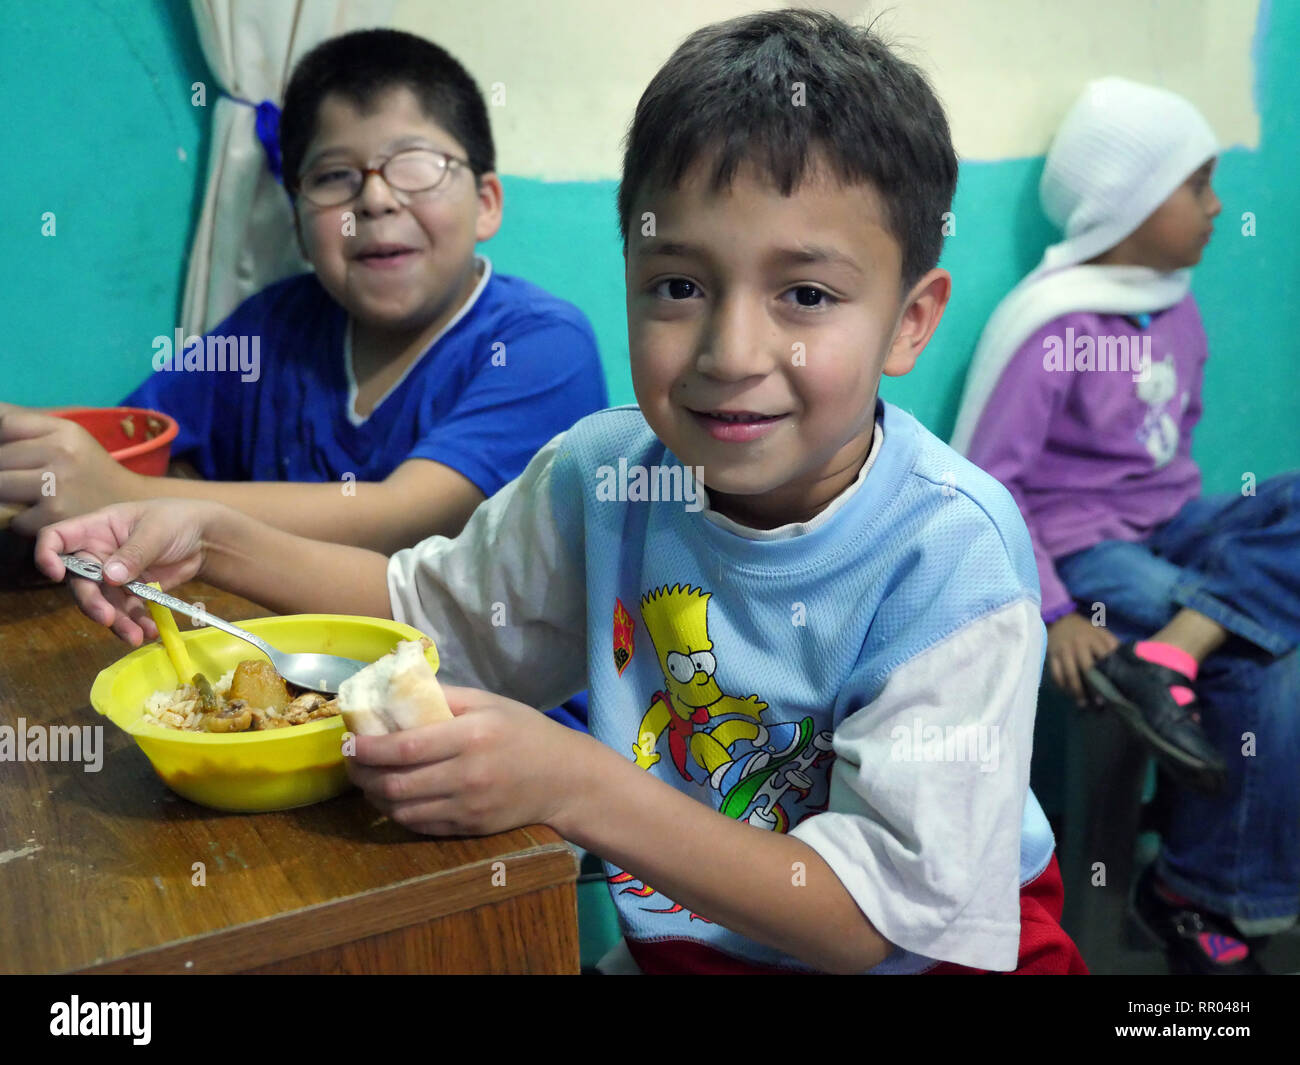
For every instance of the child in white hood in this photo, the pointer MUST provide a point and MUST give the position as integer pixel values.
(1179, 612)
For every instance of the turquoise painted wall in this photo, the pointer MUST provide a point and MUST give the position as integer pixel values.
(95, 109)
(563, 235)
(104, 107)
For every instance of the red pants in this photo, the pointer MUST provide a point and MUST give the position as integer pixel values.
(1044, 946)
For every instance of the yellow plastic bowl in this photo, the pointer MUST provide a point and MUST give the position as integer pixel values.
(246, 772)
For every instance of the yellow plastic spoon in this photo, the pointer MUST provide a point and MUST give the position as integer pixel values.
(170, 635)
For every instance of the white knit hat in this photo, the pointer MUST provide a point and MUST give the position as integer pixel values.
(1121, 151)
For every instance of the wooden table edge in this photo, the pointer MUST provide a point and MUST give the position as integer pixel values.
(415, 901)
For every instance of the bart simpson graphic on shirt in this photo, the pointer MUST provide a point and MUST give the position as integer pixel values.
(753, 766)
(677, 621)
(737, 753)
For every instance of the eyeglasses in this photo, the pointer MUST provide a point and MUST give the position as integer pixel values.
(413, 170)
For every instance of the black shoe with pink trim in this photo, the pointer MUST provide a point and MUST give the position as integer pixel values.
(1139, 691)
(1196, 942)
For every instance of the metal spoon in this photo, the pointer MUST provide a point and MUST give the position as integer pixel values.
(322, 673)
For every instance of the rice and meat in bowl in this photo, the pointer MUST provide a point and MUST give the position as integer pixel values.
(252, 697)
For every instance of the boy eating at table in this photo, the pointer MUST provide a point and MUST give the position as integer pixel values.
(810, 630)
(401, 381)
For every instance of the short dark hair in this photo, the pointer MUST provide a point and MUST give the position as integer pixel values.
(727, 95)
(364, 65)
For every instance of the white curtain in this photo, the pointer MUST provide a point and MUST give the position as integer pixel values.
(244, 240)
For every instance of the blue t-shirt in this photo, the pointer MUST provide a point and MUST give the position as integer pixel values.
(866, 683)
(513, 368)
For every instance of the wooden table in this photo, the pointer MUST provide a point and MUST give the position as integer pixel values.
(97, 869)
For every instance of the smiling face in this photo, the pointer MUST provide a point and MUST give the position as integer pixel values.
(1175, 234)
(759, 326)
(410, 264)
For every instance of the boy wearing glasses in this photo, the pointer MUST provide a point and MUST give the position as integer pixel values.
(402, 373)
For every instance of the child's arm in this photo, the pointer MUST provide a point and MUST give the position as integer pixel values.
(173, 541)
(501, 416)
(418, 499)
(292, 574)
(501, 764)
(768, 886)
(59, 470)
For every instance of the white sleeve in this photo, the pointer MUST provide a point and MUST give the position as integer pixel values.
(927, 793)
(505, 601)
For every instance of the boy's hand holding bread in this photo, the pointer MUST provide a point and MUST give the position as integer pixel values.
(399, 691)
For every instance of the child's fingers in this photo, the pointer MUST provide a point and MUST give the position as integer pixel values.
(114, 609)
(46, 556)
(139, 613)
(118, 535)
(128, 630)
(63, 538)
(108, 607)
(1088, 657)
(394, 785)
(19, 423)
(416, 817)
(433, 818)
(410, 747)
(143, 546)
(460, 700)
(89, 596)
(19, 485)
(28, 454)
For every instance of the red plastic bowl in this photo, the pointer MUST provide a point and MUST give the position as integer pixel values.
(122, 432)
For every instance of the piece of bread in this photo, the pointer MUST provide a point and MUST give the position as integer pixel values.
(399, 691)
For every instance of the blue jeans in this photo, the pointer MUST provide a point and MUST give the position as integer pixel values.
(1235, 559)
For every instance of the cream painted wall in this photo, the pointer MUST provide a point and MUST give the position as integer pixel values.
(563, 76)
